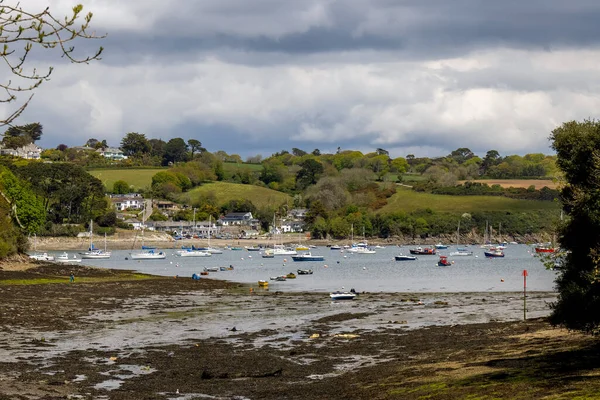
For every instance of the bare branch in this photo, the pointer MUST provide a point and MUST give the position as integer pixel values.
(38, 30)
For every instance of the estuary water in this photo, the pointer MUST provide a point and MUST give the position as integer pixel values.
(377, 272)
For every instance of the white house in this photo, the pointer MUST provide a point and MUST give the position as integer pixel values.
(123, 202)
(112, 153)
(29, 152)
(238, 218)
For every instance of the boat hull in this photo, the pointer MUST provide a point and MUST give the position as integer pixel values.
(342, 295)
(405, 258)
(148, 256)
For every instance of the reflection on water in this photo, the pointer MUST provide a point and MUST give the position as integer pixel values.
(365, 272)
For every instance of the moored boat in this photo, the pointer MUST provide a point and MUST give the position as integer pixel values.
(402, 257)
(341, 295)
(494, 252)
(308, 257)
(148, 255)
(305, 272)
(440, 246)
(444, 262)
(423, 251)
(65, 259)
(193, 253)
(41, 257)
(291, 275)
(263, 283)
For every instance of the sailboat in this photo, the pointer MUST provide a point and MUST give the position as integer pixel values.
(486, 237)
(39, 256)
(147, 254)
(362, 247)
(94, 253)
(460, 251)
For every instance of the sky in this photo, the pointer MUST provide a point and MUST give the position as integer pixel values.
(250, 77)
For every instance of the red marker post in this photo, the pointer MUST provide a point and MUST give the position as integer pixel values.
(525, 274)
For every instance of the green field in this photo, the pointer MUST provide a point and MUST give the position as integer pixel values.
(138, 178)
(235, 167)
(223, 192)
(408, 200)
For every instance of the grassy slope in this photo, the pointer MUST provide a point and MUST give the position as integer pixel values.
(224, 191)
(408, 200)
(138, 178)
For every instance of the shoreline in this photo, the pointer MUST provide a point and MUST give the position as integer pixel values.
(126, 240)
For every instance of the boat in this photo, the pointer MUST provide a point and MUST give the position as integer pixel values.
(378, 246)
(253, 248)
(41, 257)
(211, 269)
(281, 250)
(443, 262)
(423, 251)
(193, 253)
(268, 255)
(278, 278)
(440, 246)
(291, 275)
(148, 255)
(64, 258)
(341, 295)
(302, 248)
(94, 253)
(335, 247)
(307, 257)
(154, 247)
(461, 252)
(544, 249)
(361, 250)
(263, 283)
(305, 271)
(494, 252)
(403, 257)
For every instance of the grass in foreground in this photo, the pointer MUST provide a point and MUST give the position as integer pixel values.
(223, 192)
(83, 279)
(408, 200)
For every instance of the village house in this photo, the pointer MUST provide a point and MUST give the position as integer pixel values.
(112, 153)
(130, 201)
(29, 152)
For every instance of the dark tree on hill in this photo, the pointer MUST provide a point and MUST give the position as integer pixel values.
(309, 173)
(461, 155)
(157, 147)
(175, 150)
(62, 147)
(135, 144)
(19, 136)
(577, 146)
(195, 146)
(316, 152)
(92, 142)
(298, 152)
(491, 159)
(382, 152)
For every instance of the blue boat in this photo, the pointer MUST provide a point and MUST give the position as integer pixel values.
(307, 257)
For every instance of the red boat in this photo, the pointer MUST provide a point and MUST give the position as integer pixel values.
(544, 250)
(422, 251)
(443, 262)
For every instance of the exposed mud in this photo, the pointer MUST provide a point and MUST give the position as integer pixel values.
(118, 336)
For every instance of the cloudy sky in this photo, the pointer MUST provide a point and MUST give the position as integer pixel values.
(251, 77)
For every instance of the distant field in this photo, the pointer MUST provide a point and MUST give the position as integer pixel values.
(234, 167)
(224, 192)
(518, 183)
(409, 200)
(138, 178)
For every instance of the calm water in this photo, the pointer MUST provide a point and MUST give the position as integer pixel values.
(365, 272)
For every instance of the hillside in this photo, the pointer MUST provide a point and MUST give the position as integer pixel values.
(139, 178)
(223, 192)
(408, 200)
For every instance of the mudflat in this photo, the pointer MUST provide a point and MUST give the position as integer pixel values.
(122, 335)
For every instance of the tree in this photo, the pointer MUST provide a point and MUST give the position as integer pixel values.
(309, 173)
(382, 152)
(92, 142)
(195, 145)
(298, 152)
(492, 158)
(19, 136)
(157, 147)
(461, 155)
(121, 187)
(175, 150)
(577, 146)
(37, 30)
(316, 152)
(135, 144)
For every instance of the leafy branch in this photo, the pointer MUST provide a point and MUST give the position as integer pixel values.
(41, 30)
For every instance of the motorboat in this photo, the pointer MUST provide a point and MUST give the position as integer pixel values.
(193, 253)
(305, 271)
(291, 275)
(341, 295)
(64, 258)
(307, 257)
(423, 251)
(253, 248)
(148, 255)
(402, 257)
(494, 252)
(360, 250)
(461, 252)
(335, 247)
(263, 283)
(440, 246)
(444, 262)
(279, 278)
(41, 257)
(211, 269)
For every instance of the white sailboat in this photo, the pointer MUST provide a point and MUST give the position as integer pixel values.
(460, 251)
(65, 259)
(39, 256)
(94, 253)
(147, 254)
